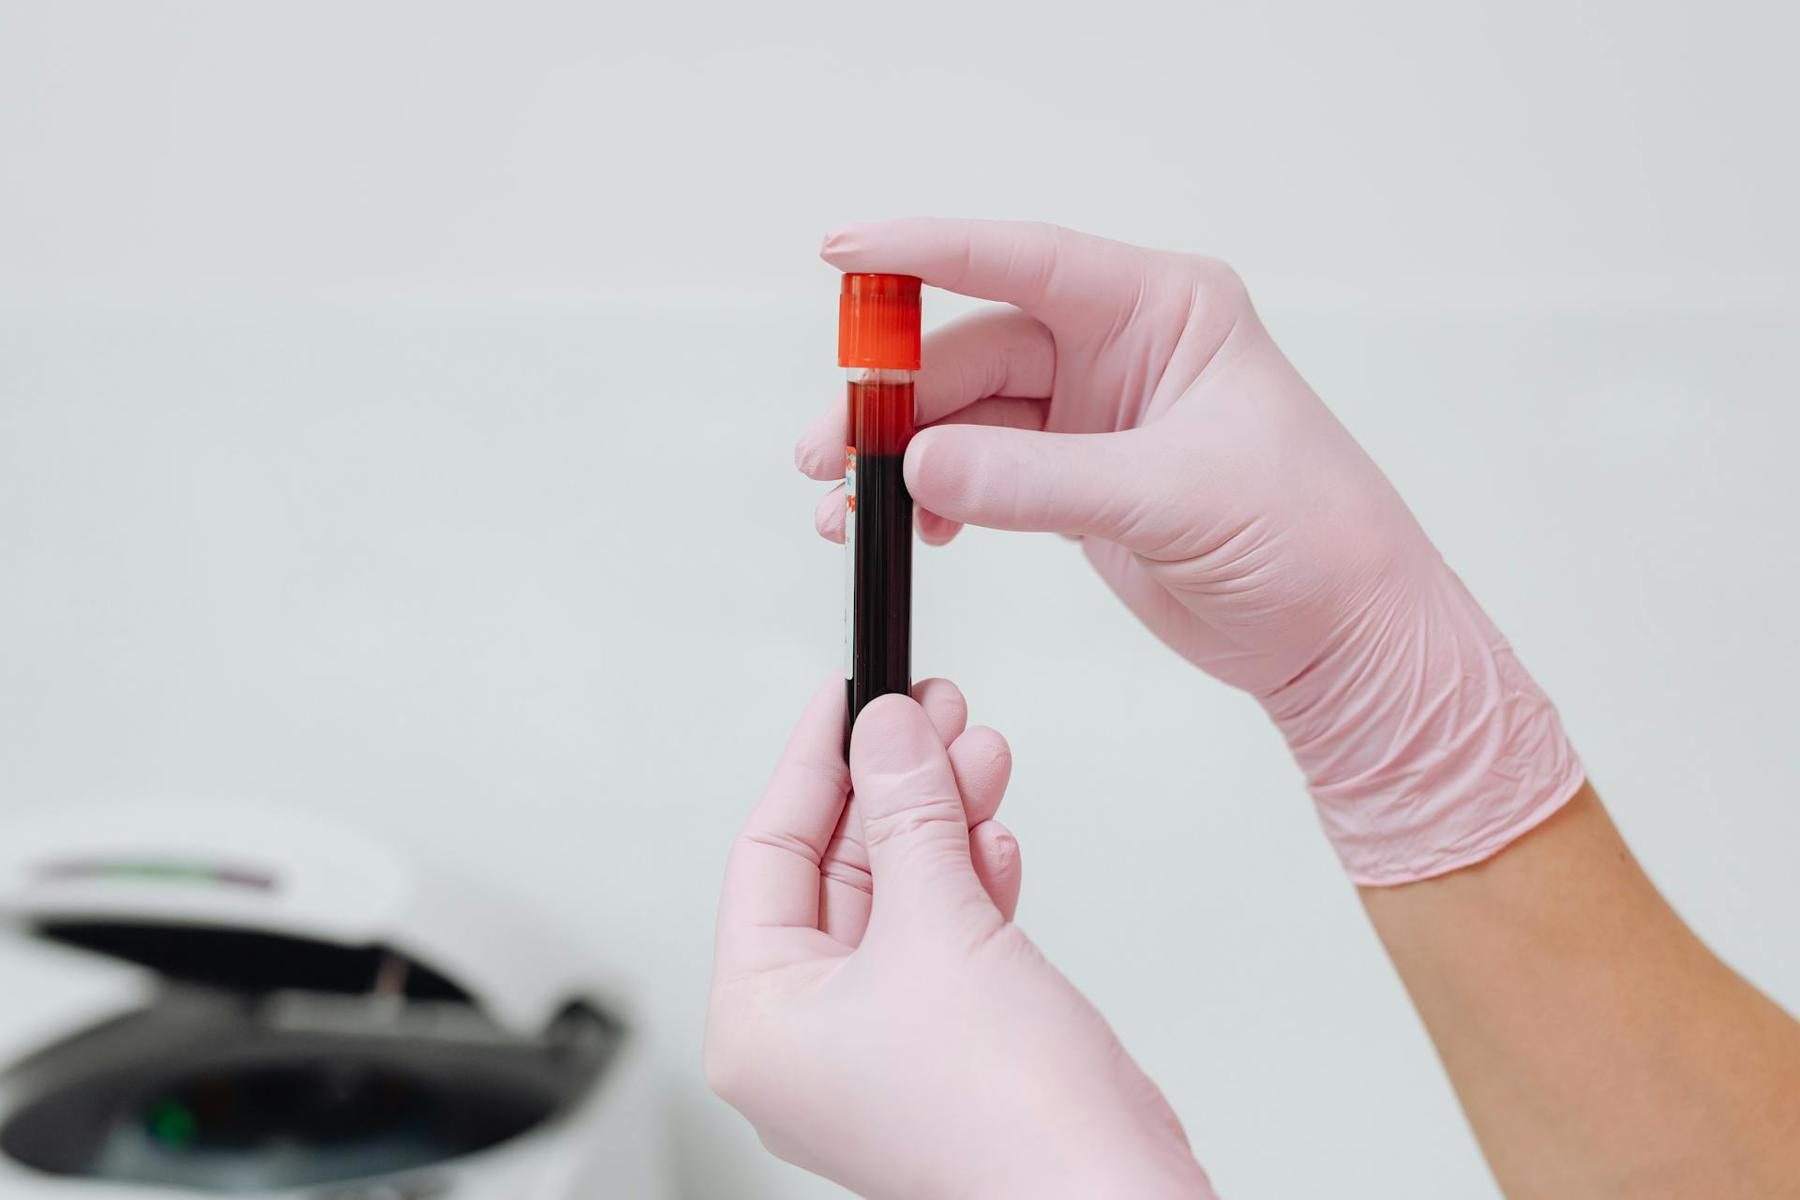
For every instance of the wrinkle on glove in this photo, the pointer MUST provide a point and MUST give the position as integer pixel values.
(1462, 754)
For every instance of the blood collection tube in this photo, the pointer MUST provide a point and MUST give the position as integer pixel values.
(878, 341)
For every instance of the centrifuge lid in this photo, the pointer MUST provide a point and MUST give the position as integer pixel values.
(253, 870)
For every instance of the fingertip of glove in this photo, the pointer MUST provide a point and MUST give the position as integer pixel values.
(940, 468)
(914, 465)
(828, 516)
(935, 530)
(1002, 847)
(839, 242)
(892, 734)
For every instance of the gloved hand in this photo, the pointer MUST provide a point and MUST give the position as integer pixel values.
(1132, 398)
(921, 1046)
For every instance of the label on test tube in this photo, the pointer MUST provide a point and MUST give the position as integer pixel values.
(849, 562)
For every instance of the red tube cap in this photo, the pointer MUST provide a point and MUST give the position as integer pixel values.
(878, 322)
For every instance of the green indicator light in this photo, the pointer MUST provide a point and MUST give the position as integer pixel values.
(136, 870)
(171, 1123)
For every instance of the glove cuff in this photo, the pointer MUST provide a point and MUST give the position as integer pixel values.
(1426, 745)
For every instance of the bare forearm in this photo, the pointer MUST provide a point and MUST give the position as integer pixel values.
(1598, 1047)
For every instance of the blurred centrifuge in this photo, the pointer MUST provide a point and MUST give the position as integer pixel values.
(239, 1002)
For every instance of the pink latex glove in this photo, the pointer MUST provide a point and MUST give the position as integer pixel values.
(1131, 397)
(874, 1011)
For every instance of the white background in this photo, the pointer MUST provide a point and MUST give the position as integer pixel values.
(395, 413)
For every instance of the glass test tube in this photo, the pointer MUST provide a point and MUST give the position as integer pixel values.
(878, 341)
